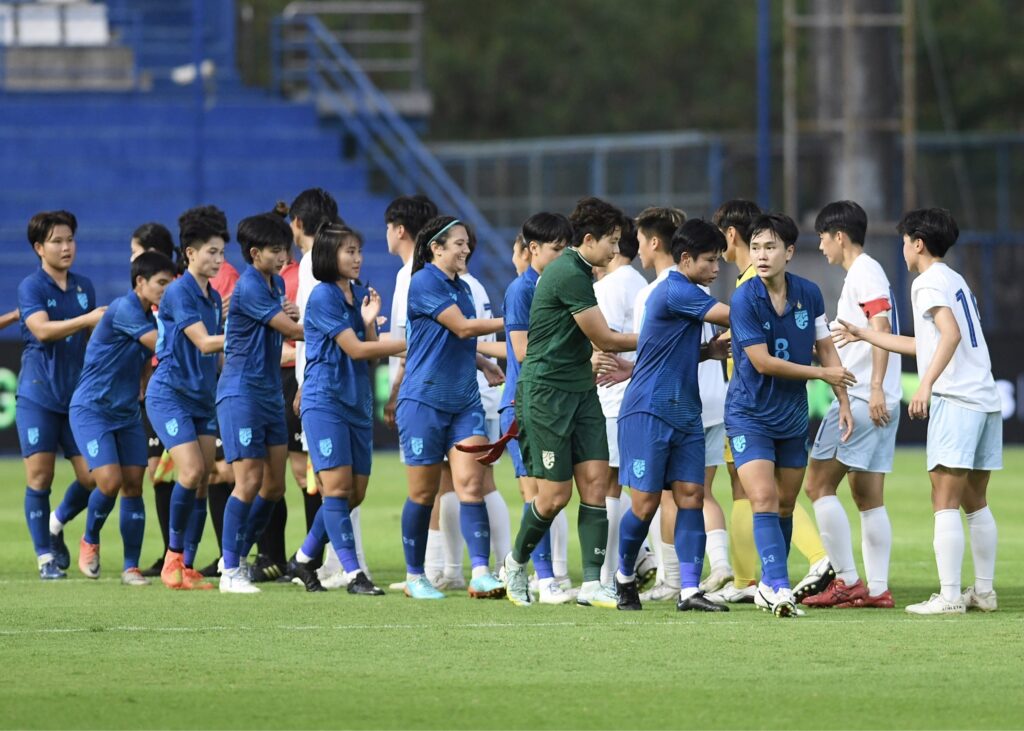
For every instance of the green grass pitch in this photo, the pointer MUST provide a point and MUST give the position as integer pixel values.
(94, 654)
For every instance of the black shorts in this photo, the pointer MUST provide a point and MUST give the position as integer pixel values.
(291, 387)
(154, 449)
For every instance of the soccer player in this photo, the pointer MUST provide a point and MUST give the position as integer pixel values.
(180, 394)
(337, 400)
(958, 395)
(106, 418)
(661, 433)
(439, 404)
(777, 320)
(544, 237)
(866, 300)
(250, 404)
(57, 309)
(561, 425)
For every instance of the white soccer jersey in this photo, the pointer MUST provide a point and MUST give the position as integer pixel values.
(490, 396)
(616, 297)
(306, 283)
(967, 380)
(399, 315)
(866, 289)
(711, 381)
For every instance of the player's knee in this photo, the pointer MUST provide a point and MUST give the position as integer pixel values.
(39, 478)
(191, 474)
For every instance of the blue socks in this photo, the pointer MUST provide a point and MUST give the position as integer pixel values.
(182, 502)
(133, 527)
(541, 554)
(194, 532)
(236, 514)
(415, 524)
(632, 532)
(100, 506)
(338, 525)
(76, 499)
(771, 545)
(259, 517)
(316, 539)
(690, 540)
(37, 515)
(787, 531)
(476, 532)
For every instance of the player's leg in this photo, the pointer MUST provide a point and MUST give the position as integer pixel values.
(468, 479)
(38, 435)
(742, 549)
(948, 488)
(133, 515)
(612, 504)
(984, 535)
(690, 537)
(161, 489)
(269, 516)
(109, 481)
(662, 527)
(497, 514)
(720, 571)
(823, 478)
(448, 544)
(220, 484)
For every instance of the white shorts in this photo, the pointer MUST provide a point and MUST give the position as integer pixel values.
(714, 445)
(961, 438)
(870, 448)
(612, 429)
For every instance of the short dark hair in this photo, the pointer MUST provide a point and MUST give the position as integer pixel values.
(150, 263)
(155, 237)
(410, 211)
(432, 233)
(845, 216)
(198, 225)
(263, 231)
(595, 217)
(696, 237)
(41, 225)
(324, 253)
(629, 244)
(936, 227)
(779, 224)
(660, 222)
(520, 242)
(739, 214)
(313, 207)
(546, 228)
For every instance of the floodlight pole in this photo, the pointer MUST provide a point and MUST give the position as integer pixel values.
(764, 129)
(198, 101)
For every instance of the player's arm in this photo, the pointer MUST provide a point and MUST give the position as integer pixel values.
(46, 330)
(491, 349)
(879, 365)
(848, 333)
(392, 404)
(519, 339)
(463, 327)
(595, 327)
(287, 354)
(357, 349)
(768, 365)
(9, 318)
(492, 372)
(829, 357)
(149, 340)
(201, 338)
(949, 340)
(284, 324)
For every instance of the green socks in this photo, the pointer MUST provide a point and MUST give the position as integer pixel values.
(593, 529)
(531, 530)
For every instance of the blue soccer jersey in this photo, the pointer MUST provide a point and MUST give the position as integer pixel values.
(518, 298)
(183, 371)
(252, 349)
(113, 362)
(765, 405)
(440, 368)
(49, 371)
(664, 381)
(332, 381)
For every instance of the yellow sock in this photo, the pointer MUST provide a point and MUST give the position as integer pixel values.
(806, 538)
(741, 544)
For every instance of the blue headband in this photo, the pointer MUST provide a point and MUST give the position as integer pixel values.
(434, 237)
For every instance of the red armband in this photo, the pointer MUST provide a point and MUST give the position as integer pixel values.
(875, 307)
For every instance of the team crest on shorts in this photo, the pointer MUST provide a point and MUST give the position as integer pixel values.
(416, 445)
(326, 447)
(245, 436)
(172, 427)
(739, 444)
(93, 448)
(802, 318)
(548, 458)
(33, 435)
(639, 467)
(83, 300)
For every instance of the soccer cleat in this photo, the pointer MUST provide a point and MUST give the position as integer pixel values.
(89, 559)
(50, 571)
(193, 580)
(838, 594)
(134, 577)
(551, 592)
(421, 588)
(361, 584)
(937, 604)
(517, 586)
(881, 601)
(60, 551)
(236, 581)
(700, 603)
(305, 575)
(486, 586)
(173, 569)
(779, 602)
(660, 592)
(394, 585)
(730, 594)
(646, 569)
(819, 576)
(628, 596)
(265, 569)
(716, 580)
(155, 569)
(986, 602)
(596, 594)
(449, 583)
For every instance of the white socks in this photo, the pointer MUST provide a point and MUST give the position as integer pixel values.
(983, 548)
(433, 563)
(834, 527)
(949, 552)
(357, 536)
(718, 550)
(671, 563)
(501, 530)
(876, 546)
(560, 545)
(451, 534)
(611, 555)
(55, 525)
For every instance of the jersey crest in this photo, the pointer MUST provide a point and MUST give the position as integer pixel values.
(802, 318)
(83, 300)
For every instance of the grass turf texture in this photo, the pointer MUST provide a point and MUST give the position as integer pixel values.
(95, 654)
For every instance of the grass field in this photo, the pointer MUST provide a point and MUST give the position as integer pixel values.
(94, 654)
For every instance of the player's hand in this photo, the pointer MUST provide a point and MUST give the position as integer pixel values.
(918, 408)
(381, 321)
(877, 408)
(224, 304)
(297, 403)
(291, 309)
(389, 412)
(602, 363)
(719, 347)
(843, 333)
(94, 317)
(615, 369)
(494, 375)
(845, 422)
(837, 376)
(371, 307)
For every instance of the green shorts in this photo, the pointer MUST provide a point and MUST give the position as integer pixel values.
(558, 430)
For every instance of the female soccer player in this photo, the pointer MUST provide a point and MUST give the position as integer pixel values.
(57, 310)
(439, 404)
(337, 400)
(106, 418)
(250, 401)
(777, 320)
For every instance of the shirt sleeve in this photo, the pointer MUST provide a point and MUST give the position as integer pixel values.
(817, 303)
(324, 316)
(928, 298)
(183, 307)
(131, 321)
(744, 322)
(258, 303)
(577, 293)
(428, 296)
(689, 302)
(517, 308)
(31, 298)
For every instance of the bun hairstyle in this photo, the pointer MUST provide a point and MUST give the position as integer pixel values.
(436, 231)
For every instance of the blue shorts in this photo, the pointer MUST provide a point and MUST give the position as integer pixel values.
(506, 418)
(248, 427)
(786, 453)
(176, 423)
(104, 444)
(961, 438)
(653, 454)
(42, 430)
(334, 442)
(870, 448)
(427, 435)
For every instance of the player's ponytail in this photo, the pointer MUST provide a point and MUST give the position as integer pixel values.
(436, 230)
